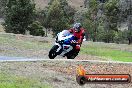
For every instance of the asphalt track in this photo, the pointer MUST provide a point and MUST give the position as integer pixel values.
(19, 59)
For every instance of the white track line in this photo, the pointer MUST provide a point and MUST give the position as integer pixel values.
(66, 60)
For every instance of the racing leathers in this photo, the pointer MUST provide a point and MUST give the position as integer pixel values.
(79, 36)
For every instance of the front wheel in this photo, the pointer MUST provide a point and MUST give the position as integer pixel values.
(52, 52)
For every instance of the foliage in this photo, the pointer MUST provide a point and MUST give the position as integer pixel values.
(59, 15)
(36, 29)
(18, 15)
(90, 21)
(2, 7)
(104, 27)
(111, 13)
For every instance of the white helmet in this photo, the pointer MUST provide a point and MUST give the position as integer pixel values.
(77, 27)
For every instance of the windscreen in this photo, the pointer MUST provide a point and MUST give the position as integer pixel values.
(66, 33)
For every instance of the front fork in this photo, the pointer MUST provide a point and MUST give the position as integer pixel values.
(59, 50)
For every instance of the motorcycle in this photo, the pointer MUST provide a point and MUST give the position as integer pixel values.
(63, 45)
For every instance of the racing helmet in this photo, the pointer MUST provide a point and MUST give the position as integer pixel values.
(77, 27)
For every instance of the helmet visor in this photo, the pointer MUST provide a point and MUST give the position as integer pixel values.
(77, 29)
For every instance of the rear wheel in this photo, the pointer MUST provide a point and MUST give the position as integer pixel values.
(72, 55)
(52, 52)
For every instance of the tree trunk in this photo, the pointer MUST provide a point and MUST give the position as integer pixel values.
(46, 32)
(130, 22)
(130, 40)
(130, 29)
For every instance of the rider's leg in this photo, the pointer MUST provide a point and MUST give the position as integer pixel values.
(68, 50)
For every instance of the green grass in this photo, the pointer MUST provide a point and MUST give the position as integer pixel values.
(23, 47)
(107, 51)
(8, 81)
(22, 44)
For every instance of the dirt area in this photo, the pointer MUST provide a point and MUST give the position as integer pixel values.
(41, 4)
(90, 57)
(61, 74)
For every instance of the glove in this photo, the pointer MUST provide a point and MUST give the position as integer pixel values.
(79, 41)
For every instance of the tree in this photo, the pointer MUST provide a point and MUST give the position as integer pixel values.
(90, 21)
(2, 7)
(129, 13)
(41, 17)
(36, 29)
(111, 13)
(18, 15)
(58, 16)
(126, 17)
(107, 25)
(129, 31)
(111, 19)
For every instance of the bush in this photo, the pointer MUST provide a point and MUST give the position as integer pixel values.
(109, 36)
(36, 29)
(18, 15)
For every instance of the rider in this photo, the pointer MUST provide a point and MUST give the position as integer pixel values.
(79, 32)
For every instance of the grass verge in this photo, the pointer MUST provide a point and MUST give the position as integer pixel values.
(7, 81)
(108, 52)
(26, 46)
(11, 40)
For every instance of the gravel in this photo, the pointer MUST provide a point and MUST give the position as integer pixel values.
(61, 74)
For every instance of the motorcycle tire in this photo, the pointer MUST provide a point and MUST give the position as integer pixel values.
(72, 55)
(52, 52)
